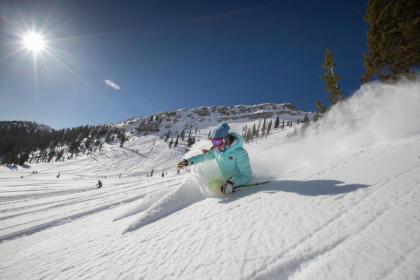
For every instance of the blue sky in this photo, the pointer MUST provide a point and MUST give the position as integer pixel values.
(172, 54)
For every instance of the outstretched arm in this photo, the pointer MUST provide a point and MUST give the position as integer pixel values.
(200, 158)
(244, 167)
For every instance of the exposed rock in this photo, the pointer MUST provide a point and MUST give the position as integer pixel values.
(146, 128)
(261, 115)
(204, 111)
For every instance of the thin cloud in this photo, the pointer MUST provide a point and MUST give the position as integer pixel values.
(112, 84)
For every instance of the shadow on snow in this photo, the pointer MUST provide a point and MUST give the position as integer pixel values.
(307, 188)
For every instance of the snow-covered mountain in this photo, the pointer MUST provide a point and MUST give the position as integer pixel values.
(28, 142)
(343, 201)
(203, 117)
(28, 126)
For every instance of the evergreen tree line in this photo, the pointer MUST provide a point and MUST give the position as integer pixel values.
(190, 139)
(22, 142)
(263, 130)
(393, 39)
(393, 47)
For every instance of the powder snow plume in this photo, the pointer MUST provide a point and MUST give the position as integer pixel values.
(376, 114)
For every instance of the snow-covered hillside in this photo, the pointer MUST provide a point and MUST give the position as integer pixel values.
(28, 126)
(344, 203)
(174, 122)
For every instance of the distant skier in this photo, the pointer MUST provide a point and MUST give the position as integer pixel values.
(230, 155)
(99, 184)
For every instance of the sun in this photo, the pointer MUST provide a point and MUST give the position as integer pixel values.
(34, 42)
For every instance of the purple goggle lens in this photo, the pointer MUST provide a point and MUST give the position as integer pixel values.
(217, 141)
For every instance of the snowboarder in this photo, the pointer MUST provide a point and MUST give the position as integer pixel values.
(99, 184)
(230, 155)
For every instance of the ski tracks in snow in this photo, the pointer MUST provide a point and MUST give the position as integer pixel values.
(155, 208)
(77, 207)
(299, 260)
(145, 203)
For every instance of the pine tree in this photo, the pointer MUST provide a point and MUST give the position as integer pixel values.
(246, 136)
(23, 157)
(176, 141)
(264, 127)
(254, 131)
(320, 108)
(122, 137)
(331, 78)
(50, 155)
(306, 119)
(393, 39)
(277, 122)
(316, 116)
(171, 142)
(282, 124)
(190, 141)
(270, 124)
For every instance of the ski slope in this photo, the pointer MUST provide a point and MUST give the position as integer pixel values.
(344, 203)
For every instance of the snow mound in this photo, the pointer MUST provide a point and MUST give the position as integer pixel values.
(377, 114)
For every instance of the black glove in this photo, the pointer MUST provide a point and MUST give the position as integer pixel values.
(227, 187)
(182, 164)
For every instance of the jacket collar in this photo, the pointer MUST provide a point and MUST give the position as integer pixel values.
(237, 143)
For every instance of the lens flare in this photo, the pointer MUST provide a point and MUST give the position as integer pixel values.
(34, 42)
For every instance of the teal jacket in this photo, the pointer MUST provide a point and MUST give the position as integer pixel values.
(233, 162)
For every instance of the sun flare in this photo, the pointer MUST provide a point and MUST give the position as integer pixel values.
(34, 42)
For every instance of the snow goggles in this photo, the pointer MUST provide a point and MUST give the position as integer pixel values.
(217, 141)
